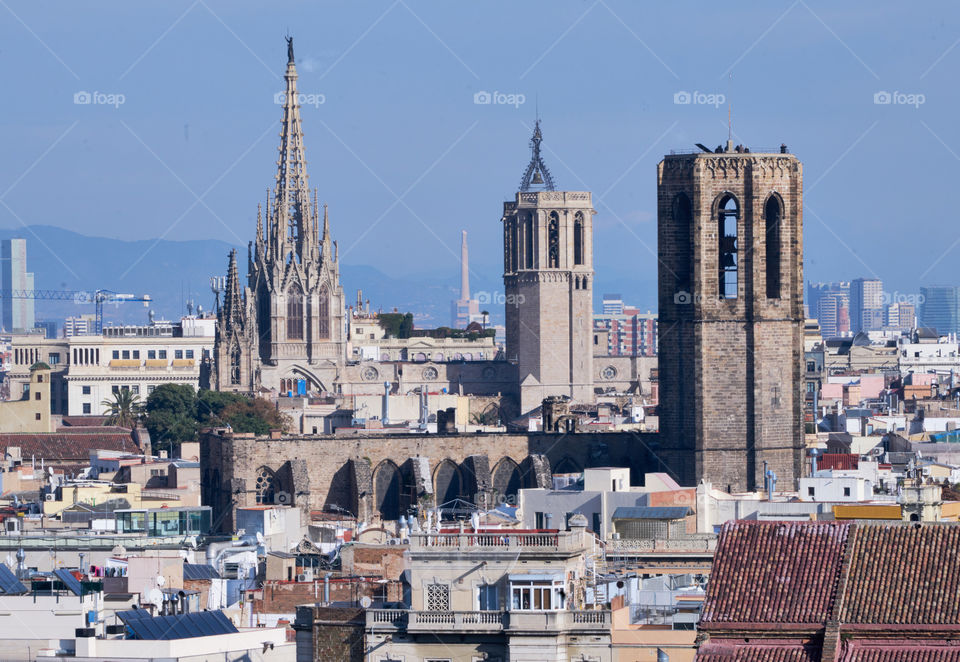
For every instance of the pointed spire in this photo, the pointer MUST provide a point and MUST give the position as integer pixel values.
(326, 224)
(259, 224)
(537, 173)
(232, 310)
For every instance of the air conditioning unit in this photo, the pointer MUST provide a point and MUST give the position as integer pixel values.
(301, 578)
(49, 497)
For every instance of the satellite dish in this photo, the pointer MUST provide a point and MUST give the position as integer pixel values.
(119, 550)
(161, 580)
(155, 597)
(365, 602)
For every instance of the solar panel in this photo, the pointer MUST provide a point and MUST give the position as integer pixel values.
(199, 571)
(9, 584)
(180, 626)
(71, 582)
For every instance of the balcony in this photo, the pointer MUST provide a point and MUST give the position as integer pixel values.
(183, 363)
(155, 363)
(124, 363)
(488, 621)
(501, 540)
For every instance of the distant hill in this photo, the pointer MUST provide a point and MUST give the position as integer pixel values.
(173, 272)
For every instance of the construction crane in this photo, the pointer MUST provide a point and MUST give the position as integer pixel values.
(97, 297)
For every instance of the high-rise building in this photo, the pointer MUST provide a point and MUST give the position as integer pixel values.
(866, 305)
(731, 329)
(940, 308)
(612, 304)
(286, 329)
(548, 281)
(465, 309)
(18, 316)
(628, 332)
(901, 315)
(79, 325)
(830, 304)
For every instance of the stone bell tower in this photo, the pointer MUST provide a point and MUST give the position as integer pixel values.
(548, 282)
(730, 237)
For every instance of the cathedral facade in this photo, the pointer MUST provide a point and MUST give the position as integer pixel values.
(285, 331)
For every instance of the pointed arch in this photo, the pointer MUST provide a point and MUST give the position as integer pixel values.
(683, 240)
(578, 238)
(553, 241)
(386, 490)
(295, 312)
(773, 219)
(235, 358)
(728, 218)
(528, 238)
(567, 465)
(267, 486)
(447, 483)
(323, 314)
(507, 479)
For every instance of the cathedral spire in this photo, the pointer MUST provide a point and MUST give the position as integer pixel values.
(232, 311)
(537, 174)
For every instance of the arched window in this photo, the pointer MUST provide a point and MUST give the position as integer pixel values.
(578, 238)
(553, 241)
(773, 214)
(728, 213)
(266, 486)
(323, 314)
(682, 223)
(528, 242)
(508, 246)
(294, 313)
(235, 365)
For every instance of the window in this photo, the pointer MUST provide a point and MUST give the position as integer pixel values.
(540, 520)
(161, 354)
(150, 389)
(36, 396)
(115, 388)
(294, 313)
(266, 486)
(136, 353)
(178, 353)
(438, 597)
(537, 595)
(53, 359)
(528, 242)
(728, 214)
(683, 238)
(126, 354)
(846, 491)
(487, 597)
(37, 416)
(553, 241)
(323, 314)
(116, 354)
(774, 216)
(151, 353)
(85, 390)
(811, 366)
(811, 491)
(135, 389)
(578, 238)
(86, 407)
(189, 353)
(235, 365)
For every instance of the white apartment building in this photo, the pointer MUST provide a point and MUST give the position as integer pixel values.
(86, 370)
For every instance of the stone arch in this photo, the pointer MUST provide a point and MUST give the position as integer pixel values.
(386, 489)
(727, 215)
(567, 465)
(773, 243)
(578, 238)
(507, 479)
(447, 482)
(267, 486)
(683, 239)
(295, 312)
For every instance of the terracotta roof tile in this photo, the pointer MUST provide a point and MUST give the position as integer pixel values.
(769, 652)
(775, 572)
(902, 653)
(904, 574)
(67, 446)
(840, 461)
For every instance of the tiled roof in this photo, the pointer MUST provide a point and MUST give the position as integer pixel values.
(770, 652)
(902, 653)
(652, 512)
(775, 572)
(906, 574)
(85, 421)
(840, 461)
(66, 446)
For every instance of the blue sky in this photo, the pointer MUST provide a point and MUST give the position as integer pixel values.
(405, 158)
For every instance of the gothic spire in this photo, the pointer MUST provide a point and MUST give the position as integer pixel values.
(232, 310)
(537, 174)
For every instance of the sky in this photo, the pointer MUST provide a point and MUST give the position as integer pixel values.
(179, 132)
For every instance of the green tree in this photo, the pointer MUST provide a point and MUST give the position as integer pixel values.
(123, 410)
(171, 415)
(242, 413)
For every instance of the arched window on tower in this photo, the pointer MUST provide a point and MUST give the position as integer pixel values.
(553, 241)
(323, 314)
(294, 313)
(683, 238)
(773, 214)
(528, 242)
(578, 238)
(266, 487)
(728, 213)
(507, 248)
(235, 365)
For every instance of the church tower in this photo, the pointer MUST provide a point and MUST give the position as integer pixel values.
(296, 312)
(730, 237)
(234, 347)
(548, 282)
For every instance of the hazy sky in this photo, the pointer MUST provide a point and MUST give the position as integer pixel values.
(406, 158)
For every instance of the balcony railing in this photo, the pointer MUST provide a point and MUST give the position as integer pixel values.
(487, 621)
(506, 540)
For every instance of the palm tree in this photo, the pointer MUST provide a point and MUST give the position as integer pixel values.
(124, 409)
